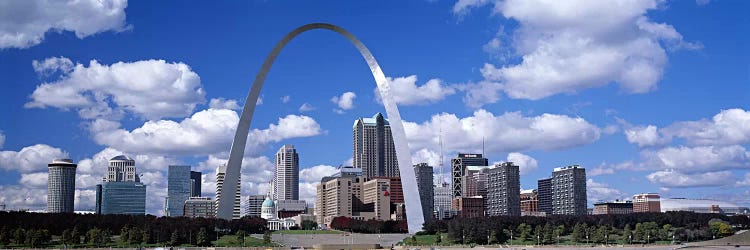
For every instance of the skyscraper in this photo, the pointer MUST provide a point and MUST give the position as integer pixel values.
(178, 189)
(195, 183)
(121, 191)
(443, 199)
(544, 195)
(61, 186)
(254, 203)
(569, 190)
(503, 190)
(221, 171)
(458, 169)
(424, 174)
(286, 174)
(374, 151)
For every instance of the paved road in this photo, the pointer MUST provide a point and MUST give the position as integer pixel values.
(308, 240)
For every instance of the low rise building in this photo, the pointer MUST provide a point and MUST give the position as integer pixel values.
(616, 207)
(469, 207)
(647, 202)
(195, 207)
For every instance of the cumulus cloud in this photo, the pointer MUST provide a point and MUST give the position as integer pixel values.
(30, 159)
(285, 99)
(315, 173)
(221, 103)
(19, 197)
(645, 136)
(526, 164)
(344, 102)
(509, 132)
(744, 182)
(570, 46)
(26, 22)
(602, 192)
(406, 92)
(728, 127)
(306, 107)
(479, 94)
(699, 159)
(34, 180)
(205, 132)
(674, 179)
(151, 89)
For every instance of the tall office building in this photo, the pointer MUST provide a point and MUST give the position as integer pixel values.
(424, 174)
(178, 189)
(474, 181)
(569, 190)
(195, 183)
(195, 207)
(458, 169)
(503, 190)
(375, 197)
(254, 204)
(220, 173)
(544, 195)
(61, 186)
(286, 174)
(121, 191)
(443, 199)
(649, 202)
(374, 151)
(121, 168)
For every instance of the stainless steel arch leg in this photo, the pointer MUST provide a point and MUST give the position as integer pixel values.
(411, 193)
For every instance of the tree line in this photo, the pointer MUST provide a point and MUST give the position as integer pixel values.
(35, 229)
(369, 226)
(624, 229)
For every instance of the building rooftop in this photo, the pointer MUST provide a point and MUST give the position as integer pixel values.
(121, 158)
(371, 121)
(567, 168)
(62, 161)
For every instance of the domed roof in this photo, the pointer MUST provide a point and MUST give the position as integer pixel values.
(121, 158)
(268, 202)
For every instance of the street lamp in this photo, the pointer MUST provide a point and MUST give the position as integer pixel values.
(648, 238)
(606, 239)
(537, 239)
(630, 239)
(587, 238)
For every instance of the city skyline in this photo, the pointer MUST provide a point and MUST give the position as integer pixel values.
(653, 98)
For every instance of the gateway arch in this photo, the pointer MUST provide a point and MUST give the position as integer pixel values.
(411, 193)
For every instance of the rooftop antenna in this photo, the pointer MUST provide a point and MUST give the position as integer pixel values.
(440, 140)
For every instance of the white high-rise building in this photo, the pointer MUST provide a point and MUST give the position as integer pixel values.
(61, 186)
(374, 151)
(443, 197)
(121, 168)
(286, 174)
(220, 173)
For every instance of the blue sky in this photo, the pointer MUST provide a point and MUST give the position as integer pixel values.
(649, 96)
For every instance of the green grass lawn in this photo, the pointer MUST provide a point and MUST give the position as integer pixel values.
(234, 241)
(307, 232)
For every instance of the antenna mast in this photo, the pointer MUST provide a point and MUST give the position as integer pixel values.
(440, 140)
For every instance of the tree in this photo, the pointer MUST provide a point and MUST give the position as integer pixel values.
(4, 236)
(146, 236)
(202, 238)
(19, 236)
(627, 234)
(75, 236)
(309, 225)
(548, 234)
(267, 237)
(438, 238)
(135, 236)
(579, 233)
(538, 233)
(125, 236)
(174, 240)
(524, 231)
(241, 236)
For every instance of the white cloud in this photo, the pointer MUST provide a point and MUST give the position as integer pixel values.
(406, 92)
(26, 22)
(481, 93)
(509, 132)
(306, 107)
(52, 65)
(315, 173)
(344, 102)
(645, 136)
(30, 159)
(699, 159)
(702, 2)
(428, 156)
(34, 180)
(221, 103)
(570, 46)
(744, 182)
(206, 132)
(19, 197)
(526, 164)
(151, 89)
(286, 99)
(2, 139)
(674, 179)
(602, 192)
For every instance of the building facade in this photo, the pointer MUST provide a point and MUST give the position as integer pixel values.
(178, 189)
(286, 174)
(616, 207)
(373, 148)
(121, 197)
(424, 174)
(254, 203)
(474, 181)
(195, 207)
(469, 207)
(290, 208)
(569, 190)
(334, 199)
(646, 203)
(503, 190)
(529, 203)
(544, 195)
(61, 186)
(376, 198)
(443, 198)
(196, 180)
(220, 173)
(121, 168)
(458, 169)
